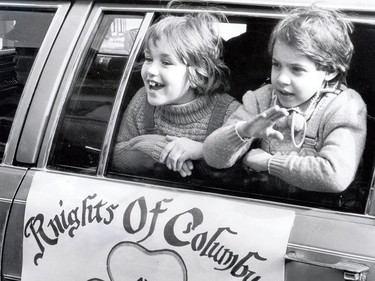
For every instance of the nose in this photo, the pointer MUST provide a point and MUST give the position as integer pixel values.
(152, 69)
(283, 77)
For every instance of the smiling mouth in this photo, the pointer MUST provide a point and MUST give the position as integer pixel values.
(154, 85)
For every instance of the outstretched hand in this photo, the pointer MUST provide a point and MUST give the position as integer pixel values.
(262, 125)
(179, 152)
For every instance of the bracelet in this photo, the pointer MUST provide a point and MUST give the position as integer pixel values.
(235, 128)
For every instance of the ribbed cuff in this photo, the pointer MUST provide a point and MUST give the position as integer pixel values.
(276, 165)
(156, 150)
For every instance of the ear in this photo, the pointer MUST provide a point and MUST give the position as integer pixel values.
(330, 75)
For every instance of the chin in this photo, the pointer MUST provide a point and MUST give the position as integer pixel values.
(287, 104)
(155, 101)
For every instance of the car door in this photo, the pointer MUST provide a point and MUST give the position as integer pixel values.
(332, 235)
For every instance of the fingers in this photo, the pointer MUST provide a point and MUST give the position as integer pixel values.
(274, 113)
(187, 167)
(167, 149)
(176, 159)
(274, 134)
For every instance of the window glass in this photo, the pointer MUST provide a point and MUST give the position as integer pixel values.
(81, 130)
(245, 53)
(21, 35)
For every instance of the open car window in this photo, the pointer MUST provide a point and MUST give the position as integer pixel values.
(245, 53)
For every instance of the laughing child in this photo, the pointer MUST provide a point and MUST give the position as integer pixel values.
(185, 81)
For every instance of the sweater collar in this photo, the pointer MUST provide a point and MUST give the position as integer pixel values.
(189, 112)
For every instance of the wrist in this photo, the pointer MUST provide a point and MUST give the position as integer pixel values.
(240, 131)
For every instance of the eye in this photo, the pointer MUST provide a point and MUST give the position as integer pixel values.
(148, 58)
(166, 62)
(275, 64)
(298, 69)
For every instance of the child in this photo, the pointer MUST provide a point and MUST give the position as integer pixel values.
(311, 127)
(184, 84)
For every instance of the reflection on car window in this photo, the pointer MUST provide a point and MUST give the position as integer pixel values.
(21, 35)
(87, 110)
(245, 54)
(120, 36)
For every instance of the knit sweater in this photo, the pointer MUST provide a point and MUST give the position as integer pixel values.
(188, 120)
(329, 167)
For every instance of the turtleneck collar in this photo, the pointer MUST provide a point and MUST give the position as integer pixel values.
(189, 112)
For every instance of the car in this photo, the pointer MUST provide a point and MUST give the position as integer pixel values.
(68, 72)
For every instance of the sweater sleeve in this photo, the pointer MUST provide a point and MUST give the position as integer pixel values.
(343, 133)
(224, 146)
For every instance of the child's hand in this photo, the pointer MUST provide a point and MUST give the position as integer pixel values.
(261, 125)
(257, 159)
(187, 167)
(178, 151)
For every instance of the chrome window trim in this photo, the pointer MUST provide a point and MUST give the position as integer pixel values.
(32, 80)
(104, 155)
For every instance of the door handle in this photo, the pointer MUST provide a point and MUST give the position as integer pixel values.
(352, 271)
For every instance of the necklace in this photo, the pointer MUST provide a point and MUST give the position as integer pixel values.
(302, 116)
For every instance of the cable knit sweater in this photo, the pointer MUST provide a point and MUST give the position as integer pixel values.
(331, 167)
(188, 120)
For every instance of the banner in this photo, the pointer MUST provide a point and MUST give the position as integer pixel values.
(88, 229)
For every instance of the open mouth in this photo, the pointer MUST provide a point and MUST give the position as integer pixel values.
(154, 85)
(285, 93)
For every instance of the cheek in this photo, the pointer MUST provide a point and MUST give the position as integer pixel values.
(143, 71)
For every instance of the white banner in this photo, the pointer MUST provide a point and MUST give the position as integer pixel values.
(89, 229)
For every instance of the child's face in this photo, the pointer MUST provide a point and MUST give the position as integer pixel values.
(294, 76)
(165, 76)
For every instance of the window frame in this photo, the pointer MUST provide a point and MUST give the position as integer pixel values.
(60, 10)
(99, 10)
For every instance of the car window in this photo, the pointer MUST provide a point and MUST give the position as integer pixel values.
(88, 107)
(21, 36)
(245, 53)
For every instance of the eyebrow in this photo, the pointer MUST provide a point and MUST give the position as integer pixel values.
(163, 55)
(289, 64)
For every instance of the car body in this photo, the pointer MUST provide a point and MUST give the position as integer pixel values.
(64, 92)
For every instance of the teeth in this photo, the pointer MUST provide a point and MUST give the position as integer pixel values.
(154, 84)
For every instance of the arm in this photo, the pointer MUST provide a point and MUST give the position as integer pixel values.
(226, 145)
(339, 151)
(131, 141)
